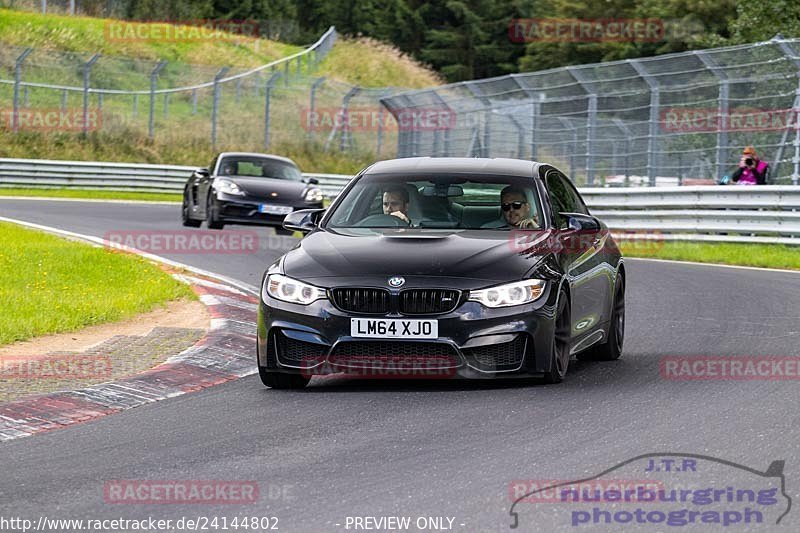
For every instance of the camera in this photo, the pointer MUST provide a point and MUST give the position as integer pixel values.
(748, 162)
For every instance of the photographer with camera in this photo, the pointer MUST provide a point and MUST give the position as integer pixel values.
(752, 170)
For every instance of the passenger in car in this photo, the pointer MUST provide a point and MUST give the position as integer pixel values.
(516, 211)
(395, 203)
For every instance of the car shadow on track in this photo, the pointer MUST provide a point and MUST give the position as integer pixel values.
(582, 374)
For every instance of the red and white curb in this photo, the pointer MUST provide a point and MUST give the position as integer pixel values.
(227, 352)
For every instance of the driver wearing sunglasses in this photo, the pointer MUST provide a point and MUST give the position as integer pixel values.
(515, 209)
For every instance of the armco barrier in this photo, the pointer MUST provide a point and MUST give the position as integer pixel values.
(757, 214)
(48, 174)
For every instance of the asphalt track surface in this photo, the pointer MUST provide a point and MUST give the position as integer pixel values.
(347, 447)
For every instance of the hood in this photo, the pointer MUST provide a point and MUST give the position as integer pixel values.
(458, 259)
(287, 190)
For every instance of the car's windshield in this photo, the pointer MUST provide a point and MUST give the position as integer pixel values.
(258, 167)
(457, 201)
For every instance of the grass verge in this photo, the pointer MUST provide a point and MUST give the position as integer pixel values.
(51, 285)
(755, 255)
(92, 195)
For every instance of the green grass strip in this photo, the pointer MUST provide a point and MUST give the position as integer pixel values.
(51, 285)
(755, 255)
(92, 195)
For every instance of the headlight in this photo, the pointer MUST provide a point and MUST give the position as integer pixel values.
(290, 290)
(517, 293)
(314, 195)
(228, 187)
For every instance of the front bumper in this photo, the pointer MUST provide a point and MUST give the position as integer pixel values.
(244, 210)
(474, 342)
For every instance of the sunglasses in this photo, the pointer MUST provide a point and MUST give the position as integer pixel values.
(512, 205)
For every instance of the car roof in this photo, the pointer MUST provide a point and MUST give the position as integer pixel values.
(257, 154)
(455, 165)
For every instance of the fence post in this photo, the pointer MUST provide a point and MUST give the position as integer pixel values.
(64, 100)
(87, 71)
(312, 107)
(166, 105)
(194, 101)
(722, 111)
(347, 135)
(153, 80)
(17, 81)
(215, 105)
(652, 136)
(486, 117)
(381, 114)
(135, 105)
(591, 129)
(267, 92)
(796, 158)
(285, 73)
(627, 134)
(536, 113)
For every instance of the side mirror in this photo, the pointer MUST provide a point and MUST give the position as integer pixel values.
(312, 181)
(201, 173)
(304, 220)
(581, 222)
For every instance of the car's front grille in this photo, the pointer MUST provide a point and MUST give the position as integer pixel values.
(361, 300)
(497, 357)
(428, 301)
(299, 353)
(398, 355)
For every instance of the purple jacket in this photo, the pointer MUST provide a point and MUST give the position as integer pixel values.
(746, 176)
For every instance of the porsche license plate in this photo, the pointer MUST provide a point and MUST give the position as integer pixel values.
(271, 209)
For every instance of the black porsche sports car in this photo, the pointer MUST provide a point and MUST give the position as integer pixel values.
(247, 188)
(444, 267)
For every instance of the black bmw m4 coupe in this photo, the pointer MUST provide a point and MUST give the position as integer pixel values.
(443, 268)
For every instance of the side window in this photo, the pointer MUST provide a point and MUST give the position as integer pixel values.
(559, 199)
(576, 203)
(563, 197)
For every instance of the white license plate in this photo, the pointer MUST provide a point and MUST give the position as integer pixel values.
(274, 209)
(390, 328)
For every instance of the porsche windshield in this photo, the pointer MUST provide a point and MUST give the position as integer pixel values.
(441, 201)
(258, 167)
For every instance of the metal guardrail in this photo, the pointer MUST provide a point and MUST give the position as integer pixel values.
(49, 174)
(756, 214)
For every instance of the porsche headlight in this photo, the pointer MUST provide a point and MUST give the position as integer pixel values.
(290, 290)
(314, 195)
(229, 187)
(517, 293)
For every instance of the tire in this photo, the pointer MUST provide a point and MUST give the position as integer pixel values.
(211, 215)
(611, 350)
(280, 380)
(562, 331)
(187, 220)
